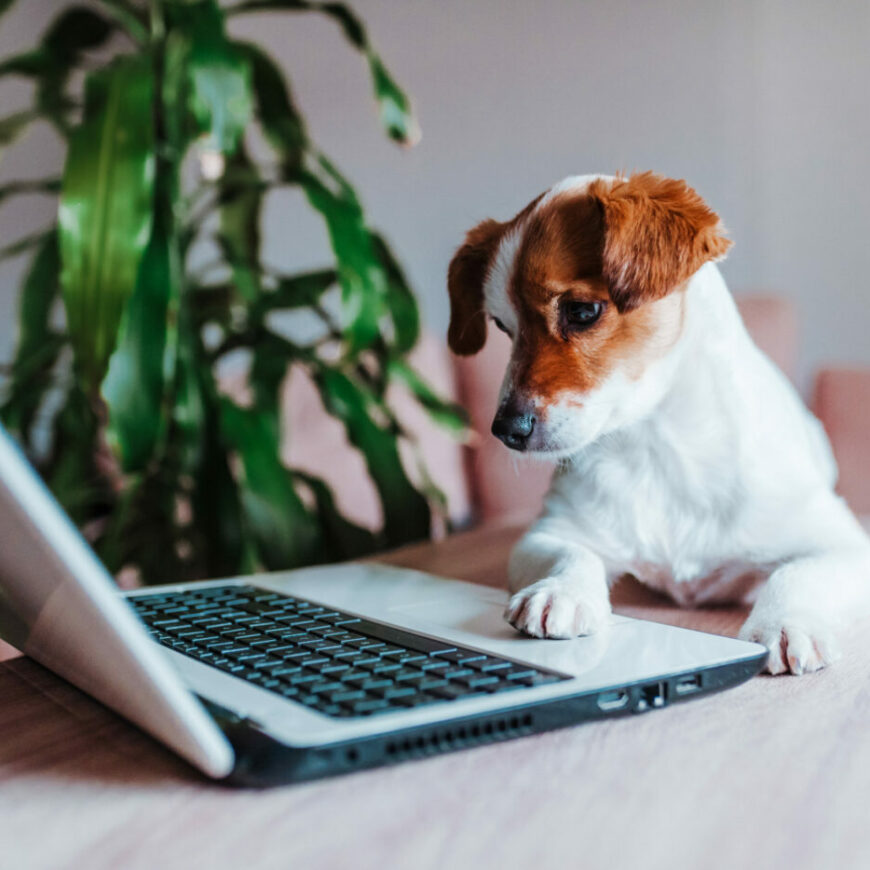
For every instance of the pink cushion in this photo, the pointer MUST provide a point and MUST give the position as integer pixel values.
(503, 484)
(772, 323)
(841, 400)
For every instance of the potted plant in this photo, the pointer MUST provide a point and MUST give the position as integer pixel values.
(164, 470)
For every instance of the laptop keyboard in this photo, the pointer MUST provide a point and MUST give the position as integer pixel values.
(332, 662)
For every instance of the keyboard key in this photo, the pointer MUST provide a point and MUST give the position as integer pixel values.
(374, 684)
(344, 696)
(478, 680)
(409, 675)
(370, 706)
(519, 674)
(326, 686)
(458, 672)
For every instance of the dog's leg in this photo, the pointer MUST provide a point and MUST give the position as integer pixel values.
(560, 587)
(803, 606)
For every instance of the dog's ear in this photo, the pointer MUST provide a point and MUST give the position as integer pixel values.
(467, 332)
(657, 233)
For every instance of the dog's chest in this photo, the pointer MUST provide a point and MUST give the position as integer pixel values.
(652, 511)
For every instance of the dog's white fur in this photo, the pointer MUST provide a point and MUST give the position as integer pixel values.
(706, 478)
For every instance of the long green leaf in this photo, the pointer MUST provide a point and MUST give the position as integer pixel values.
(134, 386)
(363, 282)
(402, 305)
(240, 200)
(219, 74)
(282, 123)
(406, 512)
(396, 114)
(445, 413)
(285, 533)
(105, 210)
(38, 345)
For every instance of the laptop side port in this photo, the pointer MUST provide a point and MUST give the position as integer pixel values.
(652, 695)
(688, 684)
(616, 699)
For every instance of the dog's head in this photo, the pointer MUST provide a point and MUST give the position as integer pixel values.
(587, 282)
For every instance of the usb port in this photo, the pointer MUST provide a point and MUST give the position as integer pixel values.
(614, 700)
(687, 685)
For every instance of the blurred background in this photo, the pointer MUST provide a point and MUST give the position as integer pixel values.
(762, 105)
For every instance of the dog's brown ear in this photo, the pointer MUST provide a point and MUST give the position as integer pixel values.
(467, 332)
(657, 233)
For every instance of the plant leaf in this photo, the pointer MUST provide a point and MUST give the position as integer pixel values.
(70, 35)
(105, 210)
(406, 512)
(13, 126)
(400, 300)
(134, 20)
(23, 244)
(240, 202)
(298, 291)
(343, 539)
(18, 188)
(219, 75)
(134, 385)
(447, 414)
(285, 533)
(38, 345)
(363, 283)
(282, 123)
(397, 116)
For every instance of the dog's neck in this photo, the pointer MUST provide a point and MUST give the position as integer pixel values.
(691, 397)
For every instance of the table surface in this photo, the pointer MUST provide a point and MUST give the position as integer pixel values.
(775, 773)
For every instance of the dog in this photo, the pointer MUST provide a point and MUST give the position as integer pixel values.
(685, 457)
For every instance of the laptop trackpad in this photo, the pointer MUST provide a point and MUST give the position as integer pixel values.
(477, 620)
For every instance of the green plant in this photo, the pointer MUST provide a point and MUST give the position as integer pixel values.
(165, 471)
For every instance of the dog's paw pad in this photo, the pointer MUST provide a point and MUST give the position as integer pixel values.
(794, 646)
(547, 609)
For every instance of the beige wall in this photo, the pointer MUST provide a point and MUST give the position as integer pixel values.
(762, 106)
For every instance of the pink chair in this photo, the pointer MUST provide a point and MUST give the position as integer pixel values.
(506, 487)
(841, 400)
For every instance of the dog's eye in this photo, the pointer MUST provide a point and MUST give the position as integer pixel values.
(579, 315)
(500, 325)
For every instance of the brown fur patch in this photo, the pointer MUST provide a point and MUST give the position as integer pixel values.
(658, 233)
(466, 275)
(466, 334)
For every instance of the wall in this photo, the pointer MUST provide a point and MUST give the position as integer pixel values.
(762, 106)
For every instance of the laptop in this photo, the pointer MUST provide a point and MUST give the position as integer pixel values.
(295, 675)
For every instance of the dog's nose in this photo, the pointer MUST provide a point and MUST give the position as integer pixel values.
(513, 425)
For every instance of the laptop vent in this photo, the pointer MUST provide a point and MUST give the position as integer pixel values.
(444, 739)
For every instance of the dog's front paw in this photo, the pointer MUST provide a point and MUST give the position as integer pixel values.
(797, 645)
(552, 608)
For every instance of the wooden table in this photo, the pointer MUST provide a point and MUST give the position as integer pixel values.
(773, 774)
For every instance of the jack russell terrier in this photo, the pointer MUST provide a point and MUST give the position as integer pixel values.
(685, 458)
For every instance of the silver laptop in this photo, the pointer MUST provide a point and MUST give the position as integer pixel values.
(295, 675)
